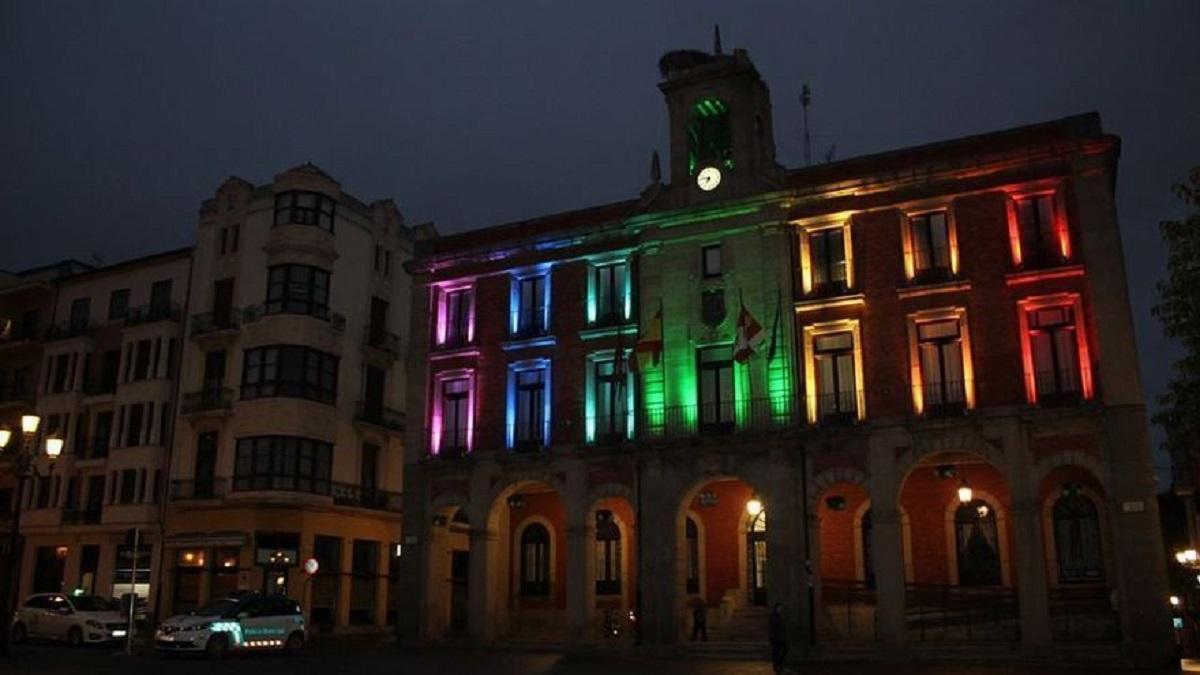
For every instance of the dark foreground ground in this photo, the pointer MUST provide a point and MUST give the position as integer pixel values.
(333, 656)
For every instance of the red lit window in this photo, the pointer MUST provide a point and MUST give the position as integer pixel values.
(930, 247)
(1041, 242)
(1054, 347)
(943, 387)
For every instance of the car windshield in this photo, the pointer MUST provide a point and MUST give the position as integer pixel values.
(92, 603)
(222, 607)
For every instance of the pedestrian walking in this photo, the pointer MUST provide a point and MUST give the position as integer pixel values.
(700, 621)
(777, 634)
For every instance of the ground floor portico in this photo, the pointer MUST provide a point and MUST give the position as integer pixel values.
(1012, 534)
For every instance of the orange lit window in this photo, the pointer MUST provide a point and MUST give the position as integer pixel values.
(1038, 230)
(833, 372)
(930, 247)
(940, 357)
(826, 258)
(1054, 349)
(191, 558)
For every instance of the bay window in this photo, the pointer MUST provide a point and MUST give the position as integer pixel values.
(283, 463)
(298, 289)
(290, 371)
(304, 208)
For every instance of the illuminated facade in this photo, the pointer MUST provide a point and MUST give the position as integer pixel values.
(941, 383)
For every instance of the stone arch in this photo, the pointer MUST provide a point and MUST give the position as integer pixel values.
(967, 440)
(1002, 538)
(515, 480)
(609, 491)
(1062, 458)
(829, 477)
(447, 500)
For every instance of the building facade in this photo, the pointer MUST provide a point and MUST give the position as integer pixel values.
(290, 436)
(919, 364)
(106, 387)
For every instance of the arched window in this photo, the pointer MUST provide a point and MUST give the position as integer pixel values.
(977, 543)
(710, 138)
(1077, 539)
(535, 560)
(868, 559)
(692, 534)
(608, 554)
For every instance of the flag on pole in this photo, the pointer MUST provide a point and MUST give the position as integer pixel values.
(750, 335)
(775, 326)
(649, 346)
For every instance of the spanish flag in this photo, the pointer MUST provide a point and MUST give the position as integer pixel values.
(650, 345)
(750, 335)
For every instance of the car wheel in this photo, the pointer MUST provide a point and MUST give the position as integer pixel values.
(216, 646)
(75, 636)
(294, 645)
(20, 634)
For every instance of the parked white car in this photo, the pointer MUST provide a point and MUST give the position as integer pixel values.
(247, 622)
(79, 619)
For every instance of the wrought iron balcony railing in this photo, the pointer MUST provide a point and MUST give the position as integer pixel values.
(372, 413)
(336, 322)
(209, 399)
(199, 488)
(381, 340)
(152, 313)
(213, 322)
(70, 329)
(349, 494)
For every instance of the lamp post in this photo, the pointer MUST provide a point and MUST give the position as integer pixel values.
(23, 467)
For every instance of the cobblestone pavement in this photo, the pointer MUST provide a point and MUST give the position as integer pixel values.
(361, 657)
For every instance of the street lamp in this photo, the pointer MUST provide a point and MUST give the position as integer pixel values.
(23, 468)
(754, 506)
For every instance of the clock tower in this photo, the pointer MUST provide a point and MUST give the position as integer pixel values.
(722, 144)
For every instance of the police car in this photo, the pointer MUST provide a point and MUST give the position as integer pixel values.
(249, 622)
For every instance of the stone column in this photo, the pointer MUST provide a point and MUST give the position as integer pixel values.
(883, 485)
(346, 565)
(787, 573)
(381, 583)
(660, 568)
(580, 535)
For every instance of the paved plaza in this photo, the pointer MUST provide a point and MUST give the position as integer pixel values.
(363, 657)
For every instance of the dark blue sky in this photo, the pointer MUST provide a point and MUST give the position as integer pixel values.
(118, 118)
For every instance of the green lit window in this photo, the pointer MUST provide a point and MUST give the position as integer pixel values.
(716, 389)
(709, 135)
(611, 398)
(610, 286)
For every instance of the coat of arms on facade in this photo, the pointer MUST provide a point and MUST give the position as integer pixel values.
(712, 306)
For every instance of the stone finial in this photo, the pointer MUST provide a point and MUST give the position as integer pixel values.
(717, 39)
(655, 168)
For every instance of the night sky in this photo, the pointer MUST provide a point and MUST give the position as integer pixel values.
(118, 118)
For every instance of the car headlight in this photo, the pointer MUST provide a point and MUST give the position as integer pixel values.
(92, 623)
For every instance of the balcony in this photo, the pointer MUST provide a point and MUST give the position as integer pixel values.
(256, 313)
(100, 386)
(215, 322)
(368, 412)
(95, 447)
(347, 494)
(86, 516)
(762, 416)
(70, 329)
(13, 333)
(1058, 387)
(191, 490)
(210, 400)
(944, 399)
(17, 395)
(838, 408)
(383, 341)
(152, 313)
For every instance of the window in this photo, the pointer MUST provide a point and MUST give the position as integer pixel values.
(455, 326)
(30, 322)
(141, 361)
(833, 357)
(283, 463)
(611, 294)
(128, 485)
(118, 304)
(943, 389)
(364, 567)
(977, 544)
(716, 389)
(608, 554)
(160, 298)
(529, 424)
(1077, 539)
(1038, 239)
(1054, 347)
(535, 560)
(709, 135)
(133, 425)
(298, 289)
(455, 417)
(205, 468)
(368, 473)
(610, 400)
(530, 311)
(827, 259)
(229, 239)
(290, 371)
(62, 366)
(710, 261)
(383, 261)
(692, 536)
(304, 208)
(81, 309)
(930, 237)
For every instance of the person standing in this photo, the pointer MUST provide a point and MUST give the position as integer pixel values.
(777, 634)
(700, 621)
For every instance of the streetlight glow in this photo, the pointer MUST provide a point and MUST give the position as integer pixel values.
(29, 424)
(1174, 600)
(965, 493)
(54, 446)
(1181, 557)
(754, 507)
(1190, 555)
(5, 436)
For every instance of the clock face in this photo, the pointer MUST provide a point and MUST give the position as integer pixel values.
(709, 178)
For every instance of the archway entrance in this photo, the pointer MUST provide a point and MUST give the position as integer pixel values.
(722, 555)
(613, 570)
(527, 563)
(959, 551)
(449, 570)
(845, 564)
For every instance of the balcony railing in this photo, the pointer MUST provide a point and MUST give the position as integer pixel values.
(84, 516)
(152, 313)
(212, 322)
(209, 399)
(382, 340)
(1058, 387)
(68, 329)
(941, 612)
(255, 313)
(370, 413)
(944, 399)
(838, 408)
(348, 494)
(1084, 613)
(204, 488)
